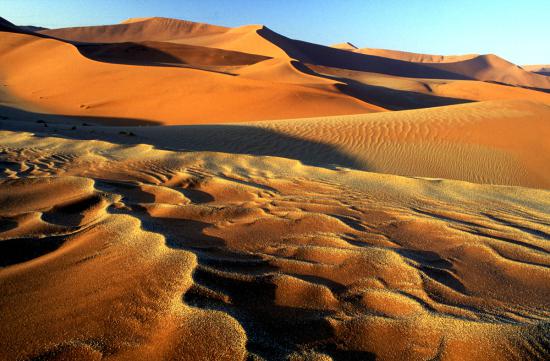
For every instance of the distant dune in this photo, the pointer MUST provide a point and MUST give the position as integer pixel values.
(263, 41)
(344, 46)
(480, 67)
(539, 69)
(146, 29)
(414, 57)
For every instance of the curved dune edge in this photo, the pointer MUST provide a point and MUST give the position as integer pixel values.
(201, 256)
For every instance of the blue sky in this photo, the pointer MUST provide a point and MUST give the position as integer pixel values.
(516, 30)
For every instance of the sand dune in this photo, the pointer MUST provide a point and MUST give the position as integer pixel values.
(396, 93)
(246, 39)
(261, 40)
(481, 67)
(164, 53)
(539, 69)
(344, 46)
(305, 202)
(135, 30)
(200, 256)
(493, 68)
(414, 57)
(496, 142)
(65, 88)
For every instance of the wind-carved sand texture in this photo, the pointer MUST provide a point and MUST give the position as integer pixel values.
(128, 252)
(172, 190)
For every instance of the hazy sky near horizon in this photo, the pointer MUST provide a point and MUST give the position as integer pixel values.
(518, 30)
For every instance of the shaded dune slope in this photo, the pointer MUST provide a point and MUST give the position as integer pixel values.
(539, 69)
(397, 93)
(163, 53)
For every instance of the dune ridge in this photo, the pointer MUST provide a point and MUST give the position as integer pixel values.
(414, 57)
(151, 29)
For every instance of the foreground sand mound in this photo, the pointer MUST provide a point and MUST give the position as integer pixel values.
(149, 254)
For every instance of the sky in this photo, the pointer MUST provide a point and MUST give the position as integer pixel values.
(516, 30)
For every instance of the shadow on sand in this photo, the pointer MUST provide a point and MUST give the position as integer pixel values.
(226, 138)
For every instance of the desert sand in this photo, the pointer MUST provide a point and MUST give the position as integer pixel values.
(539, 69)
(174, 190)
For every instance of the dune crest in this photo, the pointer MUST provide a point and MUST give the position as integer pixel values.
(414, 57)
(345, 46)
(152, 29)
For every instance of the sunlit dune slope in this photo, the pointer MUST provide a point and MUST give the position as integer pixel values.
(500, 142)
(243, 39)
(344, 46)
(246, 39)
(493, 68)
(127, 252)
(52, 76)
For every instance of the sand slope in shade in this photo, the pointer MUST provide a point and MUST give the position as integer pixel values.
(201, 256)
